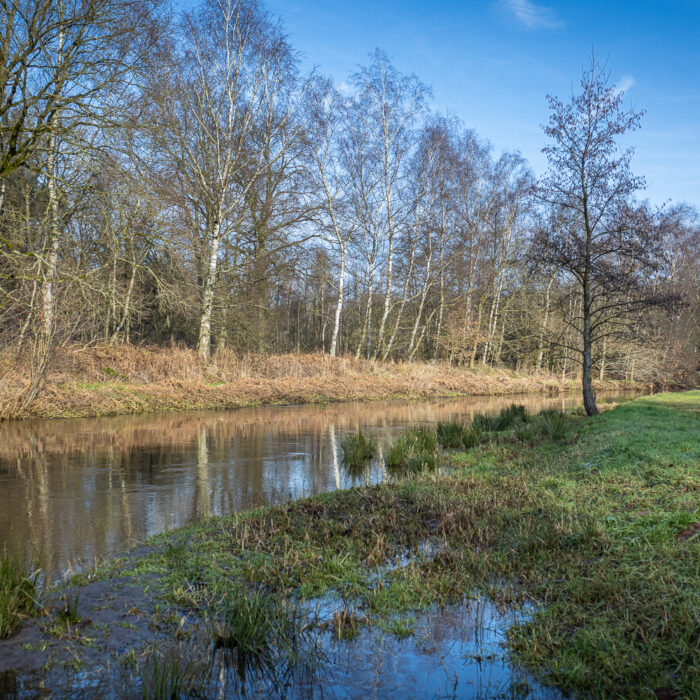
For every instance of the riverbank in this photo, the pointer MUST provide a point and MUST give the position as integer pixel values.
(116, 380)
(593, 530)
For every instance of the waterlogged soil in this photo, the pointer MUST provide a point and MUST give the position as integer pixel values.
(75, 492)
(202, 465)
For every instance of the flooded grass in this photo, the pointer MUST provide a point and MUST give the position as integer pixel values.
(357, 451)
(507, 418)
(453, 435)
(582, 531)
(450, 434)
(17, 594)
(413, 452)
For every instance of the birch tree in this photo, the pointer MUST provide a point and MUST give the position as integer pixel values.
(221, 85)
(389, 104)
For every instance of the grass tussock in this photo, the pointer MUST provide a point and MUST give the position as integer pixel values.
(506, 419)
(17, 595)
(255, 626)
(413, 452)
(169, 675)
(111, 380)
(357, 451)
(453, 435)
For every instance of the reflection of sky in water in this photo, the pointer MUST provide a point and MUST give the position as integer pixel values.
(75, 490)
(457, 651)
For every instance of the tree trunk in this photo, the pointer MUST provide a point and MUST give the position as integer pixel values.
(204, 343)
(387, 299)
(338, 306)
(545, 321)
(367, 320)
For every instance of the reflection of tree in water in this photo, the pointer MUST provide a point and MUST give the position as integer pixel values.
(79, 489)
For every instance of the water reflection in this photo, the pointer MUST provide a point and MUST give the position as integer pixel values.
(72, 491)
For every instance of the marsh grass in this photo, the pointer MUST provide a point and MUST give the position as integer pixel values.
(258, 631)
(507, 418)
(17, 594)
(553, 424)
(454, 435)
(450, 434)
(347, 623)
(171, 675)
(357, 452)
(413, 452)
(68, 614)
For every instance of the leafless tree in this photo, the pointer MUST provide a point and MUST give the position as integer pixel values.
(609, 248)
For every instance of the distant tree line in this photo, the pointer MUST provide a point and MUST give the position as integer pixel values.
(174, 178)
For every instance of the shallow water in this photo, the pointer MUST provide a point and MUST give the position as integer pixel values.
(75, 491)
(456, 651)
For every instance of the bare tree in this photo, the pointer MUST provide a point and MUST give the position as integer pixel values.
(339, 220)
(388, 104)
(609, 249)
(210, 100)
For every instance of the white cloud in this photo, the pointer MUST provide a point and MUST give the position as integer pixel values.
(624, 83)
(531, 15)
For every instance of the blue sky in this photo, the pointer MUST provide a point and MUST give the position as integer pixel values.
(491, 63)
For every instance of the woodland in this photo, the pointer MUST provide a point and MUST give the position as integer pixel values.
(173, 178)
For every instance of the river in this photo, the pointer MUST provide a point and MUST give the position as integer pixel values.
(76, 491)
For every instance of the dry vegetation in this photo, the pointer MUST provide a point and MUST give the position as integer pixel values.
(112, 380)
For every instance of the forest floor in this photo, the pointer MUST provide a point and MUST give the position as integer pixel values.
(115, 380)
(594, 530)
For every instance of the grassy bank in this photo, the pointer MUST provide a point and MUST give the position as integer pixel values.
(105, 381)
(594, 521)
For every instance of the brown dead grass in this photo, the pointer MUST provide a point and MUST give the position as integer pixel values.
(113, 380)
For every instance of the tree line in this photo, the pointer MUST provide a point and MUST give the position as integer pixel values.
(173, 177)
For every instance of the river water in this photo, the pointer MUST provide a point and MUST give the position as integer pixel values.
(77, 491)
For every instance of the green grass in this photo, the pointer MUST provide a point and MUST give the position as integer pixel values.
(17, 595)
(507, 418)
(413, 452)
(583, 521)
(450, 434)
(454, 435)
(357, 451)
